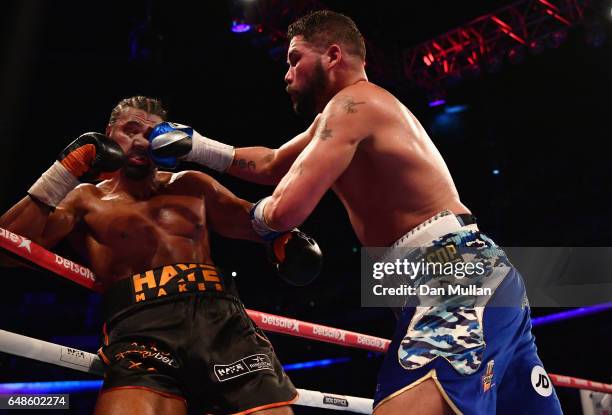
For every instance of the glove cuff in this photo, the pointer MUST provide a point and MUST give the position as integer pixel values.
(53, 185)
(210, 153)
(258, 221)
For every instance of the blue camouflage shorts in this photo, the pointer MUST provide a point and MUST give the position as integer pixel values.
(481, 356)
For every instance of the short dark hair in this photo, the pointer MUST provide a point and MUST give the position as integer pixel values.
(324, 27)
(151, 105)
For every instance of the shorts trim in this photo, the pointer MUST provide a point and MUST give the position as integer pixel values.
(164, 394)
(268, 406)
(263, 338)
(105, 332)
(430, 375)
(103, 356)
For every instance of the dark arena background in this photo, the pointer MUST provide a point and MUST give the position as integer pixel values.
(524, 128)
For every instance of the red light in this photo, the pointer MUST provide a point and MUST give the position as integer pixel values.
(558, 17)
(552, 6)
(507, 29)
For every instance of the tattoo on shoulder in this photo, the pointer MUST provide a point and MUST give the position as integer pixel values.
(244, 164)
(350, 105)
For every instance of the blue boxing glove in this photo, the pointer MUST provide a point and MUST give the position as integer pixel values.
(171, 142)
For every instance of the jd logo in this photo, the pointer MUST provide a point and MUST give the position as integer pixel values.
(540, 381)
(543, 381)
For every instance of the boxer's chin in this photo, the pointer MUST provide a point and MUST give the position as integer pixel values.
(138, 171)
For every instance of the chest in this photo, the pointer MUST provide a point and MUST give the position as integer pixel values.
(122, 218)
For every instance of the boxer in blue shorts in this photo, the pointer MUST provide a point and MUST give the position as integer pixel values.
(367, 147)
(477, 349)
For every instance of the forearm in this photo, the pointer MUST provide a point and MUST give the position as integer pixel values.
(268, 166)
(258, 164)
(171, 142)
(27, 218)
(284, 212)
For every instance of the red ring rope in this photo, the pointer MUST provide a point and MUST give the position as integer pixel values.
(37, 256)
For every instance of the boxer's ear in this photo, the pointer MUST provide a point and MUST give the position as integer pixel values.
(333, 55)
(108, 130)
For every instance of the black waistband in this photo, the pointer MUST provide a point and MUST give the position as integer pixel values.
(466, 219)
(167, 281)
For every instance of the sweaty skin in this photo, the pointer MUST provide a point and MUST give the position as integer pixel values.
(377, 158)
(364, 144)
(124, 226)
(370, 150)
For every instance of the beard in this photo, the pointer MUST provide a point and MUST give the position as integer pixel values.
(138, 171)
(305, 101)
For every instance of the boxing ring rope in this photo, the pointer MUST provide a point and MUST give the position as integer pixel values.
(19, 345)
(35, 256)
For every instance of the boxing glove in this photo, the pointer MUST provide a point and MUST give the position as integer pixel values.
(297, 257)
(90, 155)
(171, 142)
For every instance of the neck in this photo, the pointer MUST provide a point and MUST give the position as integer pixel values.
(138, 189)
(344, 80)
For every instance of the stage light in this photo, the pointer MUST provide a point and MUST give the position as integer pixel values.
(536, 46)
(315, 363)
(454, 109)
(239, 26)
(437, 102)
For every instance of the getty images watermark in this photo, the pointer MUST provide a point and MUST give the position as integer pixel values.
(403, 269)
(450, 276)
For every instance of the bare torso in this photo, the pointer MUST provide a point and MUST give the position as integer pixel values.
(397, 178)
(121, 235)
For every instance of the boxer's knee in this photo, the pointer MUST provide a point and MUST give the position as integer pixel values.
(132, 401)
(422, 399)
(283, 410)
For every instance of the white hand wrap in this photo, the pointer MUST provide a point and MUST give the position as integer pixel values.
(258, 221)
(53, 185)
(210, 153)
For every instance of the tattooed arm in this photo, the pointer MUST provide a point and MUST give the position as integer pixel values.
(268, 166)
(344, 123)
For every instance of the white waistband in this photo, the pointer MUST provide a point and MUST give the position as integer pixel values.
(439, 225)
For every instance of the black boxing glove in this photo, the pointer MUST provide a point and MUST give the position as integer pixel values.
(82, 160)
(297, 256)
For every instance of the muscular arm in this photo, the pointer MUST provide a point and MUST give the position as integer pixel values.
(226, 214)
(41, 224)
(345, 122)
(268, 166)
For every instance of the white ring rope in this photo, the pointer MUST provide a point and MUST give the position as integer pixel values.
(19, 345)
